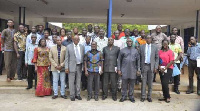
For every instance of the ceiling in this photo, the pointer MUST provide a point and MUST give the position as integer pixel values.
(95, 11)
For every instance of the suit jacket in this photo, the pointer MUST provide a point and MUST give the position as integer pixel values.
(70, 58)
(110, 58)
(53, 57)
(154, 59)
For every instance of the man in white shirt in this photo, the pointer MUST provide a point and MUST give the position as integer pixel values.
(118, 42)
(101, 40)
(83, 36)
(33, 31)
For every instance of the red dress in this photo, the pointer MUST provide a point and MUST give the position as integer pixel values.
(41, 57)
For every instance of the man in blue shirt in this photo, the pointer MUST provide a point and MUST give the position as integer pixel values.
(193, 53)
(28, 61)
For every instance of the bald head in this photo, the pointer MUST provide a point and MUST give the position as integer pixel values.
(76, 39)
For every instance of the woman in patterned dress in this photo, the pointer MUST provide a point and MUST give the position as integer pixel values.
(41, 60)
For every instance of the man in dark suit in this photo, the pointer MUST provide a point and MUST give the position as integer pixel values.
(110, 55)
(73, 67)
(149, 64)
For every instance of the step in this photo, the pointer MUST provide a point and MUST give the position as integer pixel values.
(156, 86)
(137, 93)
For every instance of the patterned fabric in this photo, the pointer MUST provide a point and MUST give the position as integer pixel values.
(59, 49)
(176, 48)
(140, 41)
(30, 53)
(8, 36)
(20, 39)
(41, 56)
(43, 82)
(101, 43)
(93, 60)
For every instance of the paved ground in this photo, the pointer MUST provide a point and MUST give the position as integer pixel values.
(28, 102)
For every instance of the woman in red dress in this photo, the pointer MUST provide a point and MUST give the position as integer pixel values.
(41, 60)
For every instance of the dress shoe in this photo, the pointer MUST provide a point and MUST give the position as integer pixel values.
(28, 88)
(149, 99)
(163, 99)
(167, 100)
(104, 97)
(96, 98)
(142, 99)
(89, 97)
(198, 92)
(189, 92)
(132, 100)
(177, 91)
(54, 97)
(72, 99)
(63, 96)
(78, 97)
(114, 98)
(122, 99)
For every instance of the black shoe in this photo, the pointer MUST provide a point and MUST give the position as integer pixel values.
(167, 100)
(89, 97)
(64, 97)
(78, 97)
(54, 97)
(104, 97)
(149, 99)
(189, 92)
(122, 99)
(142, 99)
(96, 98)
(72, 99)
(177, 91)
(163, 99)
(114, 98)
(132, 100)
(28, 88)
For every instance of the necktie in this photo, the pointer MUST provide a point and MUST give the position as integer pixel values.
(78, 56)
(148, 54)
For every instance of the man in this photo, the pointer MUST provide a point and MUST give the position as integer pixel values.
(41, 30)
(121, 33)
(87, 46)
(157, 39)
(102, 41)
(68, 40)
(135, 33)
(33, 31)
(127, 36)
(75, 31)
(141, 40)
(28, 61)
(8, 48)
(149, 60)
(1, 57)
(57, 59)
(128, 67)
(54, 31)
(73, 67)
(118, 42)
(90, 32)
(20, 47)
(54, 39)
(96, 32)
(83, 36)
(110, 55)
(179, 39)
(176, 48)
(49, 42)
(93, 69)
(193, 52)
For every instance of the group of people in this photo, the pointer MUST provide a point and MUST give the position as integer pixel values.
(95, 61)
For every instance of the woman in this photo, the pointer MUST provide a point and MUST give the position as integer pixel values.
(63, 34)
(41, 60)
(165, 69)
